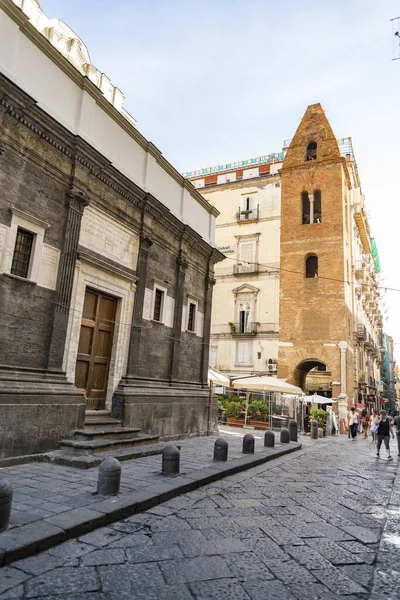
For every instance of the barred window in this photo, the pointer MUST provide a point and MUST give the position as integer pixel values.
(22, 253)
(192, 317)
(158, 304)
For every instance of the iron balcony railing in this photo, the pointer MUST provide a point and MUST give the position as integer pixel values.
(249, 214)
(245, 268)
(361, 333)
(249, 328)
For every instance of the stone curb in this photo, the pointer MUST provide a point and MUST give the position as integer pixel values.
(27, 540)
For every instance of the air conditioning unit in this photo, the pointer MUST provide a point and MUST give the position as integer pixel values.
(272, 368)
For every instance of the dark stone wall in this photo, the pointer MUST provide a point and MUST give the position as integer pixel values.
(52, 175)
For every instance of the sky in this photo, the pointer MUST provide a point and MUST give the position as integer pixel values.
(213, 81)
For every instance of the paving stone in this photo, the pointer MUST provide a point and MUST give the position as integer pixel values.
(192, 548)
(223, 589)
(316, 591)
(11, 577)
(307, 557)
(71, 549)
(168, 523)
(110, 556)
(15, 593)
(188, 570)
(266, 549)
(65, 580)
(363, 574)
(89, 596)
(333, 552)
(101, 537)
(176, 536)
(245, 565)
(131, 540)
(152, 553)
(356, 547)
(367, 536)
(259, 589)
(127, 581)
(36, 565)
(290, 572)
(334, 533)
(338, 582)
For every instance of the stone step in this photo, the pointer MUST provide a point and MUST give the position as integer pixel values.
(84, 448)
(103, 434)
(94, 460)
(102, 422)
(98, 413)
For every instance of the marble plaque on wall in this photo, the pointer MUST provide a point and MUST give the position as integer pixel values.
(49, 267)
(107, 237)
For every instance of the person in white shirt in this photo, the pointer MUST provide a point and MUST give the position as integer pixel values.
(352, 421)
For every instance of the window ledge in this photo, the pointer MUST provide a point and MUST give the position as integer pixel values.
(158, 322)
(20, 278)
(240, 365)
(190, 331)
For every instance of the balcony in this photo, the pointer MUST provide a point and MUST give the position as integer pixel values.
(359, 270)
(245, 216)
(249, 328)
(361, 333)
(242, 268)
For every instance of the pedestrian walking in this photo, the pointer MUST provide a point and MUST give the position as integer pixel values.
(384, 431)
(364, 421)
(352, 421)
(373, 423)
(397, 423)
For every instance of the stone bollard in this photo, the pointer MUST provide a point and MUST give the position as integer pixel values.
(170, 460)
(269, 439)
(293, 431)
(109, 477)
(285, 436)
(6, 493)
(223, 418)
(221, 450)
(320, 432)
(248, 444)
(314, 430)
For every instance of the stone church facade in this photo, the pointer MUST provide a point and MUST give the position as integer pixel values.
(106, 256)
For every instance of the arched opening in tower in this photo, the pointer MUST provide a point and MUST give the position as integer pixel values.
(314, 377)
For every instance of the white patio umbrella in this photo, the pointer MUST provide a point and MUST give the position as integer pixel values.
(264, 383)
(217, 377)
(317, 399)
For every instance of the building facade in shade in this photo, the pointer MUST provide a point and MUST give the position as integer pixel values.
(106, 253)
(298, 292)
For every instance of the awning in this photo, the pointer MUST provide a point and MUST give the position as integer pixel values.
(218, 377)
(266, 383)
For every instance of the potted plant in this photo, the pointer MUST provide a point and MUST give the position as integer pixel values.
(320, 415)
(232, 327)
(234, 412)
(258, 414)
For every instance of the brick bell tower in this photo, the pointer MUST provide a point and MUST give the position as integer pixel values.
(315, 315)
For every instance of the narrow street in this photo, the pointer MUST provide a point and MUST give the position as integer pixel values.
(307, 526)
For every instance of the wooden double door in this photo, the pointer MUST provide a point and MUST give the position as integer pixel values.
(95, 347)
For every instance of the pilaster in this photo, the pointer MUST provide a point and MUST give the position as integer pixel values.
(182, 265)
(209, 285)
(76, 205)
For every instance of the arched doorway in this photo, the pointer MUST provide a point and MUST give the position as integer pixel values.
(314, 377)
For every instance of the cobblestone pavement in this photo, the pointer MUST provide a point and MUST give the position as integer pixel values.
(307, 526)
(44, 490)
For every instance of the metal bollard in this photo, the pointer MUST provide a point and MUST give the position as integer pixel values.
(6, 493)
(285, 436)
(109, 477)
(314, 430)
(248, 444)
(170, 460)
(221, 450)
(223, 418)
(269, 439)
(293, 431)
(320, 432)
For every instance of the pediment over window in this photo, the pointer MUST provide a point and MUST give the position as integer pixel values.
(246, 289)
